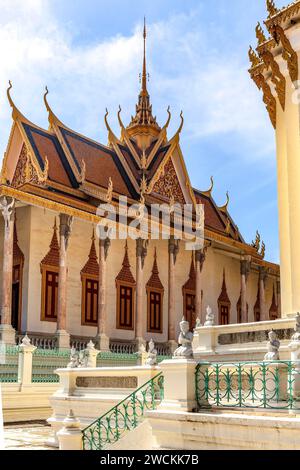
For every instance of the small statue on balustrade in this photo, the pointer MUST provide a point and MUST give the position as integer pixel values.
(185, 341)
(273, 347)
(73, 364)
(152, 355)
(198, 324)
(210, 317)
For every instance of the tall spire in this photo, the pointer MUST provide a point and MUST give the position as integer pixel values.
(144, 74)
(143, 116)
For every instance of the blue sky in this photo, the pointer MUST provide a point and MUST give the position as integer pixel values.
(88, 52)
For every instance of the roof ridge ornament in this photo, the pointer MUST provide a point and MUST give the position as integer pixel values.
(52, 118)
(210, 190)
(16, 113)
(111, 136)
(272, 9)
(253, 57)
(261, 37)
(225, 207)
(177, 134)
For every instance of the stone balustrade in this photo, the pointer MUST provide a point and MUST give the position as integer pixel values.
(39, 340)
(241, 342)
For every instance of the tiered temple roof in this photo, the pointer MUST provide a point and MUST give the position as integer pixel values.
(60, 166)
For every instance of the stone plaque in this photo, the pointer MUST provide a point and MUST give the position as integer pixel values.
(107, 382)
(253, 336)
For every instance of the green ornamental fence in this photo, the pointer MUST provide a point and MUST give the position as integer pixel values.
(123, 417)
(45, 362)
(9, 364)
(268, 385)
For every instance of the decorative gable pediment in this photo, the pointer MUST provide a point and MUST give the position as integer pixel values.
(168, 185)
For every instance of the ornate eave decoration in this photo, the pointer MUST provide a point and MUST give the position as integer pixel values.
(268, 97)
(276, 77)
(288, 53)
(281, 16)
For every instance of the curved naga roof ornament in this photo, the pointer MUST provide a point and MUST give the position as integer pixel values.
(177, 134)
(16, 113)
(111, 136)
(210, 190)
(52, 118)
(225, 207)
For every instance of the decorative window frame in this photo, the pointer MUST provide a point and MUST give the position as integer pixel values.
(44, 269)
(120, 284)
(224, 304)
(84, 278)
(154, 290)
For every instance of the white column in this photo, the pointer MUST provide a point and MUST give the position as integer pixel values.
(262, 295)
(199, 261)
(102, 339)
(64, 234)
(141, 253)
(245, 270)
(173, 251)
(7, 333)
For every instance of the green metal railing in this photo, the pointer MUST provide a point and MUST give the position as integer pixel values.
(268, 385)
(124, 417)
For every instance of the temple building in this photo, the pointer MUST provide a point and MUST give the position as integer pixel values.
(63, 285)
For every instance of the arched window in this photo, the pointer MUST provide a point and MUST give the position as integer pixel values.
(49, 271)
(224, 304)
(90, 286)
(155, 293)
(189, 297)
(125, 285)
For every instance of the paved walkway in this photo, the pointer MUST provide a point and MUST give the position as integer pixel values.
(27, 436)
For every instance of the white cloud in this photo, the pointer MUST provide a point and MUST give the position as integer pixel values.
(213, 90)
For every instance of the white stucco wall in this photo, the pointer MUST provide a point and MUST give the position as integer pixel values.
(35, 230)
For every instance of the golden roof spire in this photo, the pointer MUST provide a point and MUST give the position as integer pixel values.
(143, 117)
(144, 75)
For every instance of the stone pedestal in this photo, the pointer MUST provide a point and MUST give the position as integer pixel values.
(179, 385)
(102, 343)
(63, 339)
(7, 334)
(25, 362)
(91, 355)
(70, 436)
(204, 340)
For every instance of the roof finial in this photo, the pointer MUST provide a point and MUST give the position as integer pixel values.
(144, 76)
